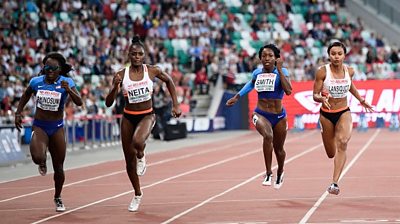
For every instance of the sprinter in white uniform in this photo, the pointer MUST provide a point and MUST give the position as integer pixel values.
(138, 119)
(332, 84)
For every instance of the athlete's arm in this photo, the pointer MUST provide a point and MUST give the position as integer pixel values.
(353, 90)
(248, 87)
(114, 91)
(22, 102)
(318, 86)
(163, 76)
(69, 86)
(284, 77)
(245, 90)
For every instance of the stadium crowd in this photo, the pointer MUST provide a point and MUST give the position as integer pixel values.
(196, 42)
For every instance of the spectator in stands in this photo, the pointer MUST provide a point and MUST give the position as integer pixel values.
(199, 30)
(201, 81)
(136, 80)
(332, 83)
(51, 88)
(270, 81)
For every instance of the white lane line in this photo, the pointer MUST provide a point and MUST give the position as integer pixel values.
(213, 202)
(159, 182)
(310, 212)
(237, 186)
(156, 152)
(151, 185)
(123, 171)
(150, 164)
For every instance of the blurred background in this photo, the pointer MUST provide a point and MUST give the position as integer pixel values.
(208, 47)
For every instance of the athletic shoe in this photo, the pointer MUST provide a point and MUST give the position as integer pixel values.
(268, 180)
(333, 189)
(42, 169)
(134, 206)
(279, 181)
(141, 166)
(59, 205)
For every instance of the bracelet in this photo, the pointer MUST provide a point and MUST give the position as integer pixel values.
(18, 115)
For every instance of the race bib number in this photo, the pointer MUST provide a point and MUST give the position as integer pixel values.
(338, 88)
(265, 82)
(48, 100)
(255, 119)
(139, 95)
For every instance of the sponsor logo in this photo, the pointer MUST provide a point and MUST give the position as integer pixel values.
(305, 98)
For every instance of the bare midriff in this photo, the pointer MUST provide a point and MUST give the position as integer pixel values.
(270, 105)
(138, 107)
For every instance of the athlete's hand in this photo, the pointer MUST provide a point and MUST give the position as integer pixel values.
(279, 63)
(65, 85)
(367, 106)
(232, 101)
(18, 121)
(325, 102)
(325, 98)
(176, 111)
(117, 80)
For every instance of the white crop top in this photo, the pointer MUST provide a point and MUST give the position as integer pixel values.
(337, 88)
(137, 91)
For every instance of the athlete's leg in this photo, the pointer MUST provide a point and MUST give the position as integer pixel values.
(130, 154)
(38, 145)
(328, 136)
(280, 132)
(141, 134)
(263, 127)
(342, 136)
(57, 149)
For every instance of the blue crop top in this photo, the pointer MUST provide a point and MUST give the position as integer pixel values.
(268, 85)
(50, 97)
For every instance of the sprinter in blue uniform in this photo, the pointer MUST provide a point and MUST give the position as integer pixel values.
(51, 89)
(271, 82)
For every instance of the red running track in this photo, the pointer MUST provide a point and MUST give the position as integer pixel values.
(220, 182)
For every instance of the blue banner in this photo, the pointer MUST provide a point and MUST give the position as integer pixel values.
(10, 149)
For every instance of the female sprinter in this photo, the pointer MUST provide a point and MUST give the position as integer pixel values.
(270, 81)
(136, 81)
(332, 83)
(51, 89)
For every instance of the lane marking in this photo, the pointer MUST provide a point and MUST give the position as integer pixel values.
(151, 185)
(229, 146)
(164, 180)
(310, 212)
(238, 185)
(215, 202)
(150, 153)
(123, 171)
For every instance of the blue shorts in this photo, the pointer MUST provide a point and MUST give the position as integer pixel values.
(272, 118)
(50, 127)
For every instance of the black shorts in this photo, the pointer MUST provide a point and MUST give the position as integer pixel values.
(335, 116)
(135, 119)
